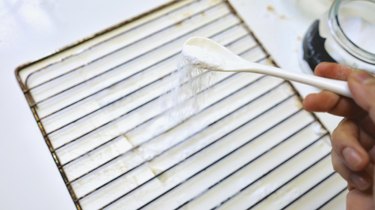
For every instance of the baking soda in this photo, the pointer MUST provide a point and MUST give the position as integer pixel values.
(360, 31)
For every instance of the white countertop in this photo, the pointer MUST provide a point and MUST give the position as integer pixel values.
(30, 30)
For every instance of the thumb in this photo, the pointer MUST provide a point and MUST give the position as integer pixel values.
(362, 86)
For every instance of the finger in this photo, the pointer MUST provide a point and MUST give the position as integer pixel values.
(372, 154)
(339, 166)
(358, 180)
(333, 71)
(362, 86)
(346, 144)
(366, 140)
(350, 186)
(368, 126)
(356, 199)
(326, 101)
(330, 102)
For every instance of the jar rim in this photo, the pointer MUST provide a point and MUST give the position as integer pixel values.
(339, 35)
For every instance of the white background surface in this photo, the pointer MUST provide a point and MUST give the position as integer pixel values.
(29, 30)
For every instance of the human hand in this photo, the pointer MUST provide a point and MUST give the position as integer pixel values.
(353, 151)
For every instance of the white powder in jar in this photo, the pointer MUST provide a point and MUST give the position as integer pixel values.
(357, 21)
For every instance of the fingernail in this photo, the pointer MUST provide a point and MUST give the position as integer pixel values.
(361, 77)
(360, 182)
(352, 158)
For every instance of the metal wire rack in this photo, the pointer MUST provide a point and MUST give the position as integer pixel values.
(122, 138)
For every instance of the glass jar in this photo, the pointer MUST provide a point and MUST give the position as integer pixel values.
(345, 34)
